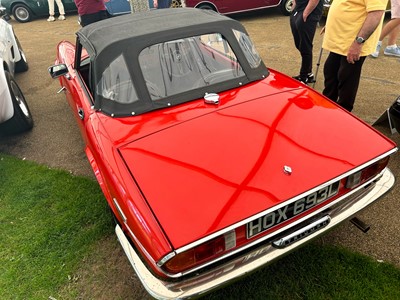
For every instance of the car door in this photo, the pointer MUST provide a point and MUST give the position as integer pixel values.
(6, 46)
(69, 5)
(38, 7)
(75, 82)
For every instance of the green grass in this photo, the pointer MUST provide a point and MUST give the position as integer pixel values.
(319, 272)
(50, 221)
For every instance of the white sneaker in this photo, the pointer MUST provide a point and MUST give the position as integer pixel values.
(61, 17)
(376, 53)
(51, 19)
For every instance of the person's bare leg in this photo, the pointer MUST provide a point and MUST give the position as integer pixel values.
(393, 35)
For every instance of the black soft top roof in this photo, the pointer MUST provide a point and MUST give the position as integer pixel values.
(155, 24)
(128, 35)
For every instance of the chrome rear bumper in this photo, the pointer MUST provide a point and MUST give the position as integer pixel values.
(253, 259)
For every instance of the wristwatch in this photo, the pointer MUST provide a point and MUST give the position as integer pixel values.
(360, 40)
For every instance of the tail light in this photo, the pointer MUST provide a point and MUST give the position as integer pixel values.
(201, 254)
(366, 173)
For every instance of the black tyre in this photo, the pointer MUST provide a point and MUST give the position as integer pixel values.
(22, 13)
(286, 7)
(22, 118)
(22, 65)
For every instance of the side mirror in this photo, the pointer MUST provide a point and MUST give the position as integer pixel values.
(56, 71)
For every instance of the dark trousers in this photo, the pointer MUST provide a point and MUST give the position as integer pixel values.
(303, 35)
(91, 18)
(342, 79)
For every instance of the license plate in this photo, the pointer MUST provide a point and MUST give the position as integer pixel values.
(291, 210)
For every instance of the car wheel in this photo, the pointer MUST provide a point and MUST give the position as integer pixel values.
(286, 7)
(22, 64)
(21, 13)
(22, 118)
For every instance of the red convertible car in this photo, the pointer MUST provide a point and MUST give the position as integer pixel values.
(213, 164)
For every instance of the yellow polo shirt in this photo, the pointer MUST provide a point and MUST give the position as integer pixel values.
(344, 21)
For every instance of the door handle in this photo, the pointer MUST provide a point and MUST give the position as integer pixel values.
(81, 113)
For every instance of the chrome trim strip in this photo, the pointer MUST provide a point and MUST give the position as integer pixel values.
(247, 263)
(301, 233)
(245, 221)
(238, 11)
(165, 259)
(149, 257)
(120, 212)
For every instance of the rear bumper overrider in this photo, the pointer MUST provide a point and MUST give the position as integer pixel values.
(257, 256)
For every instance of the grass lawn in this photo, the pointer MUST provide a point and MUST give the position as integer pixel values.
(50, 221)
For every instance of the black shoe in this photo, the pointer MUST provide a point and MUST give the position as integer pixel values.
(307, 79)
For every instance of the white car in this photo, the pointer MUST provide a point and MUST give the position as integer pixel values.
(15, 116)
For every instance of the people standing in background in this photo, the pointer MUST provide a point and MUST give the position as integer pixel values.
(91, 11)
(392, 29)
(303, 23)
(351, 34)
(51, 10)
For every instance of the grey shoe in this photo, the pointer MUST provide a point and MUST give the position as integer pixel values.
(392, 51)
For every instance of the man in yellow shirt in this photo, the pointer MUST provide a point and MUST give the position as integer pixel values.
(351, 33)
